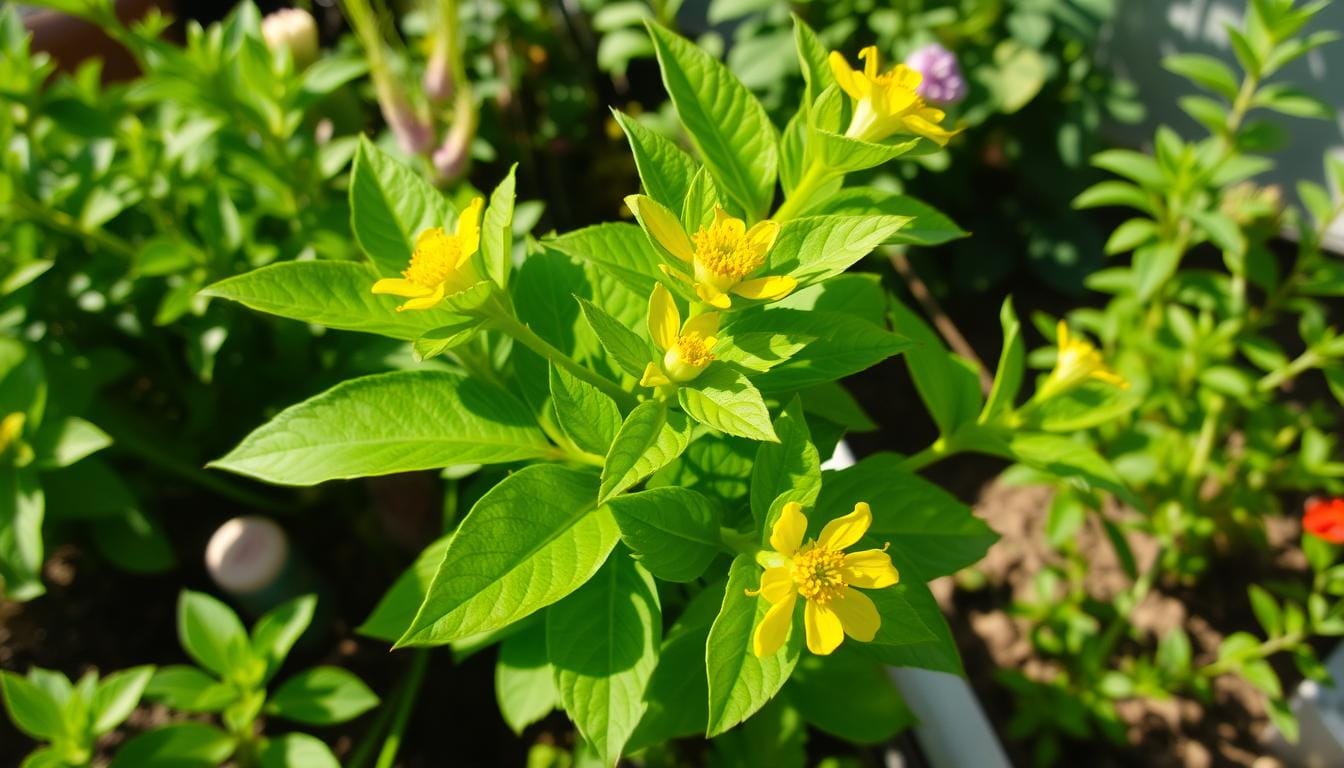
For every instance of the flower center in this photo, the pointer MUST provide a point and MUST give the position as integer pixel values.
(816, 571)
(693, 350)
(434, 259)
(725, 251)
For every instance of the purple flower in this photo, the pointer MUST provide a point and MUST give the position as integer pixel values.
(943, 82)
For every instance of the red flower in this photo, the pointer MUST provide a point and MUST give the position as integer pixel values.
(1324, 519)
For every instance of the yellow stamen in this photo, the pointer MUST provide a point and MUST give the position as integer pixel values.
(817, 572)
(435, 258)
(723, 250)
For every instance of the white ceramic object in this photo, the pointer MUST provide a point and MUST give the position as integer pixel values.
(247, 554)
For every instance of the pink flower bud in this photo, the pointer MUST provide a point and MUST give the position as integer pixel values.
(943, 82)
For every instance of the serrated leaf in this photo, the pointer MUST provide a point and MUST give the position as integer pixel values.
(587, 415)
(723, 398)
(725, 122)
(389, 205)
(664, 170)
(524, 679)
(740, 683)
(789, 470)
(332, 294)
(674, 532)
(391, 422)
(529, 541)
(650, 438)
(602, 641)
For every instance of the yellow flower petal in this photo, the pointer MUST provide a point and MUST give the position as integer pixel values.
(713, 296)
(763, 234)
(653, 376)
(824, 630)
(858, 616)
(1062, 334)
(845, 75)
(776, 584)
(425, 302)
(931, 131)
(664, 319)
(870, 569)
(787, 534)
(706, 324)
(770, 288)
(397, 286)
(469, 229)
(844, 531)
(870, 61)
(662, 225)
(774, 628)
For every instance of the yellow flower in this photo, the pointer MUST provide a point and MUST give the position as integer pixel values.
(686, 348)
(825, 576)
(11, 429)
(886, 103)
(1076, 362)
(721, 256)
(440, 264)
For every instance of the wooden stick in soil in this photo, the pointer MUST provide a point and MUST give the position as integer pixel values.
(935, 312)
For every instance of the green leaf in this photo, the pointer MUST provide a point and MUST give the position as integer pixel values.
(1070, 460)
(837, 344)
(1114, 193)
(812, 60)
(211, 634)
(725, 122)
(21, 512)
(674, 532)
(775, 736)
(914, 632)
(626, 348)
(603, 643)
(848, 696)
(1090, 404)
(529, 541)
(117, 696)
(621, 248)
(677, 694)
(497, 231)
(587, 415)
(927, 226)
(389, 206)
(62, 443)
(1266, 610)
(843, 154)
(1134, 166)
(815, 248)
(928, 526)
(789, 470)
(1012, 362)
(275, 633)
(398, 606)
(702, 199)
(332, 294)
(740, 683)
(31, 709)
(722, 398)
(190, 690)
(1204, 71)
(297, 750)
(1154, 264)
(392, 422)
(321, 696)
(948, 385)
(1131, 235)
(182, 745)
(664, 170)
(524, 680)
(651, 437)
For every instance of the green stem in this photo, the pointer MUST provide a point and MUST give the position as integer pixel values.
(816, 175)
(1304, 362)
(410, 691)
(1208, 432)
(64, 222)
(1266, 649)
(939, 450)
(524, 335)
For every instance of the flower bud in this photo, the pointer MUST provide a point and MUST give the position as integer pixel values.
(414, 134)
(943, 82)
(293, 29)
